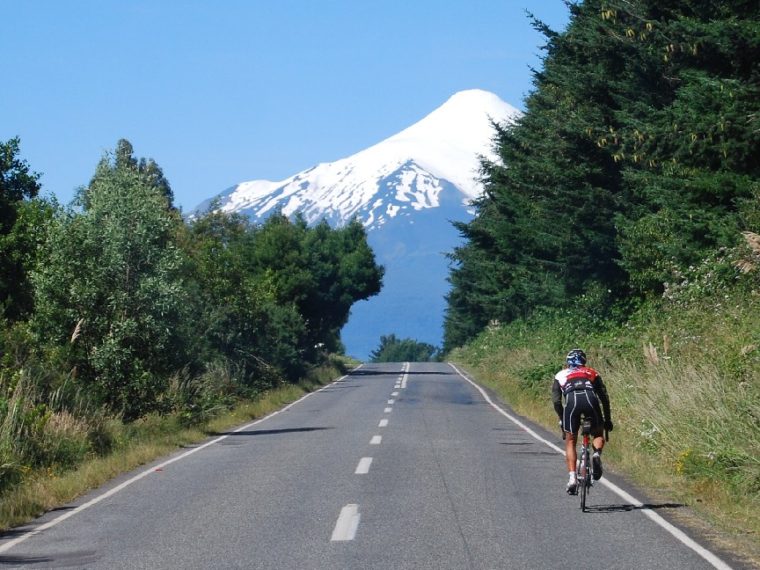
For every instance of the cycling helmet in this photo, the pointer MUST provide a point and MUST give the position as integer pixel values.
(576, 357)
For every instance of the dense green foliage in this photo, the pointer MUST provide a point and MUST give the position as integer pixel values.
(110, 291)
(394, 349)
(116, 307)
(18, 214)
(275, 296)
(636, 158)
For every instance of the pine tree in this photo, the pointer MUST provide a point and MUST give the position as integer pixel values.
(637, 155)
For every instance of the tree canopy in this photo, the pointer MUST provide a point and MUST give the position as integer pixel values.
(123, 297)
(636, 156)
(19, 216)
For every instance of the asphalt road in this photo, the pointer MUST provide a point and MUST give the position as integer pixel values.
(393, 467)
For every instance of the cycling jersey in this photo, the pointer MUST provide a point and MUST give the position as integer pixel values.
(583, 392)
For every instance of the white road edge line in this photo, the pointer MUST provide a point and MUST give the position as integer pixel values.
(676, 532)
(383, 423)
(35, 531)
(405, 378)
(376, 440)
(347, 523)
(363, 467)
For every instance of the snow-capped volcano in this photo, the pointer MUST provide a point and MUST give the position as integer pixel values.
(406, 190)
(401, 174)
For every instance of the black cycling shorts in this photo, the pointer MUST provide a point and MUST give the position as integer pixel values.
(582, 403)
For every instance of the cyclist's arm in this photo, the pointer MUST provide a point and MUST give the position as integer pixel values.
(557, 397)
(601, 392)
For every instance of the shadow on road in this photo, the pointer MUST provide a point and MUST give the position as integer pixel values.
(23, 560)
(74, 559)
(625, 508)
(369, 372)
(273, 431)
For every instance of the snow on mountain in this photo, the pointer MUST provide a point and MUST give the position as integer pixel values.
(406, 190)
(401, 174)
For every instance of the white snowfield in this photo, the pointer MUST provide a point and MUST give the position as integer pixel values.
(402, 173)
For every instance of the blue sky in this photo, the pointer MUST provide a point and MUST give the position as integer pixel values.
(222, 92)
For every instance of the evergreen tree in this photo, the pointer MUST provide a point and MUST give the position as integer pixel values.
(636, 157)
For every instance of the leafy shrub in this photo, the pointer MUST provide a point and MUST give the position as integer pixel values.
(394, 349)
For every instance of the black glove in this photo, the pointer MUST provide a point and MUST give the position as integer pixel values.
(608, 425)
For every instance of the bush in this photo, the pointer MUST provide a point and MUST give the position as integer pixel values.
(394, 349)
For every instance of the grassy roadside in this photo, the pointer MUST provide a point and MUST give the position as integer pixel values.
(141, 442)
(684, 382)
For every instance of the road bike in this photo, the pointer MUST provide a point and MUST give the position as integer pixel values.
(585, 467)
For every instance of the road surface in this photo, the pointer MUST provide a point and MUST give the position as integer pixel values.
(395, 466)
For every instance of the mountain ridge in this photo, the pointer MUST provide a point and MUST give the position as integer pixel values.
(444, 145)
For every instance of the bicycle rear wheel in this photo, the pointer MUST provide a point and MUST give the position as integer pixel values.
(583, 476)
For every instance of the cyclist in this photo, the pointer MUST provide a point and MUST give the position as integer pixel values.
(583, 392)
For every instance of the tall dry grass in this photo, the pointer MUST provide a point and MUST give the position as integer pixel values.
(703, 424)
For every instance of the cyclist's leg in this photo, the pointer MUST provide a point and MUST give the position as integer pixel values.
(571, 418)
(570, 424)
(592, 407)
(596, 458)
(570, 451)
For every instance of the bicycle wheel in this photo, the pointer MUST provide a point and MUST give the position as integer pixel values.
(583, 478)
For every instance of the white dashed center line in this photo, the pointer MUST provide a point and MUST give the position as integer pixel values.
(376, 439)
(383, 423)
(394, 394)
(347, 523)
(391, 401)
(363, 467)
(388, 410)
